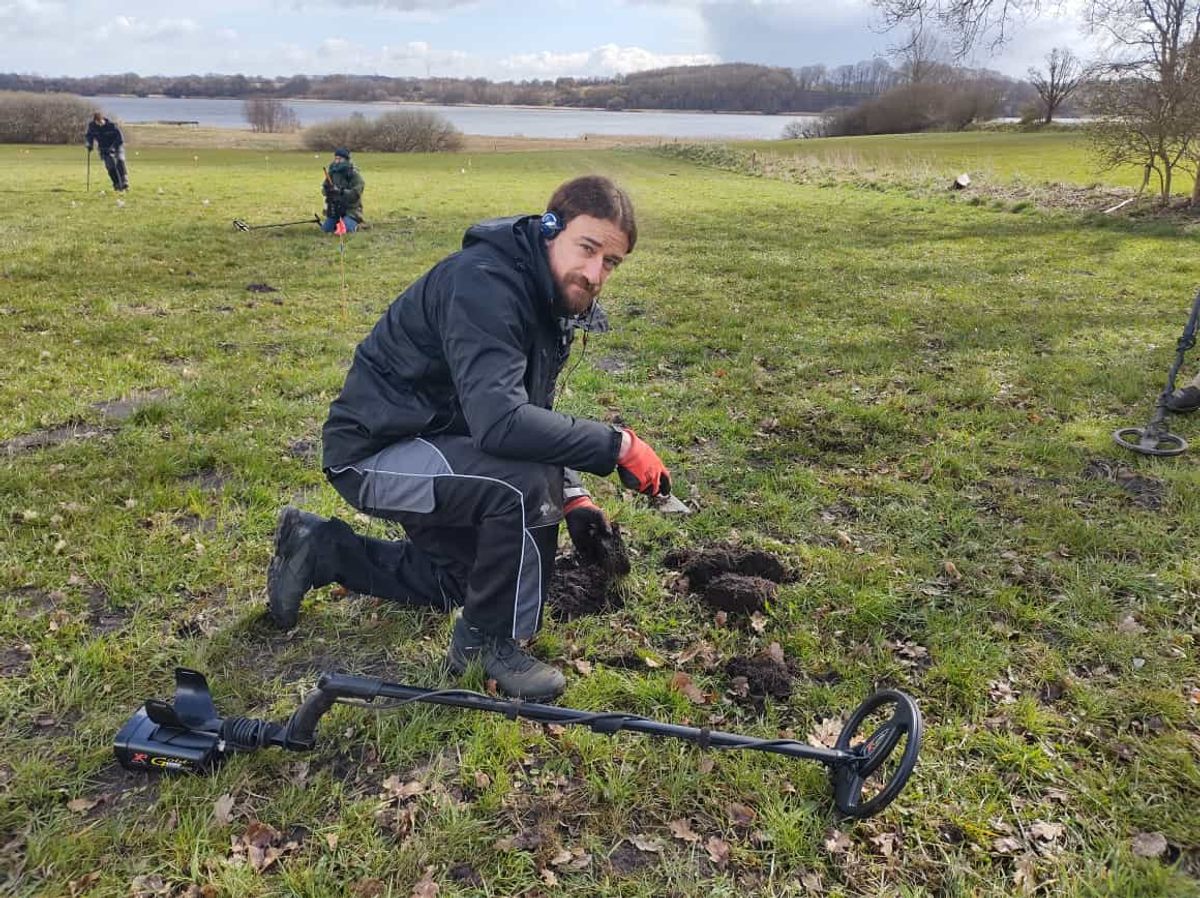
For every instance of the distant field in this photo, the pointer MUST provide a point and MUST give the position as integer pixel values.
(1054, 156)
(907, 398)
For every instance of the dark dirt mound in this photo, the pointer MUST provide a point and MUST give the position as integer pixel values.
(578, 588)
(702, 565)
(739, 594)
(765, 675)
(261, 288)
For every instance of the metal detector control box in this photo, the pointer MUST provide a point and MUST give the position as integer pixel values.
(143, 744)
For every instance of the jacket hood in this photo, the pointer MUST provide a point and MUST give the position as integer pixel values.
(518, 238)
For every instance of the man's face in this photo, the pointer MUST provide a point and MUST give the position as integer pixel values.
(582, 257)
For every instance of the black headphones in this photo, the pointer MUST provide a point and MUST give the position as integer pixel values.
(551, 225)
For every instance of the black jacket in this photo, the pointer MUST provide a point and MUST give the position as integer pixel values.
(473, 347)
(107, 136)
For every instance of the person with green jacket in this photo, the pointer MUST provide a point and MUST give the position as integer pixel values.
(343, 187)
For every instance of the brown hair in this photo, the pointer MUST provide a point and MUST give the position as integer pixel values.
(598, 197)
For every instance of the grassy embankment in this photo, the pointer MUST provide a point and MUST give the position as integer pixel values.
(907, 397)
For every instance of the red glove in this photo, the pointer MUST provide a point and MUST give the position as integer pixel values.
(640, 469)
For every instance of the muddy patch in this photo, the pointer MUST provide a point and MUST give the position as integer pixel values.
(626, 859)
(15, 660)
(208, 480)
(611, 364)
(102, 617)
(1145, 492)
(29, 602)
(261, 288)
(766, 674)
(114, 411)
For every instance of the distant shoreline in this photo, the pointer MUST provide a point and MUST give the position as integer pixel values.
(420, 104)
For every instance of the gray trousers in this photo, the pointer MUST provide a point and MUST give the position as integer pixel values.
(482, 531)
(114, 161)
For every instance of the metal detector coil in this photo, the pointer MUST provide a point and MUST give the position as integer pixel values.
(188, 736)
(1155, 438)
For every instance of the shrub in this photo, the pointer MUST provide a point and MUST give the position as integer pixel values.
(408, 131)
(915, 107)
(270, 115)
(42, 118)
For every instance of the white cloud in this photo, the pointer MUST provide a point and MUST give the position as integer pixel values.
(21, 19)
(137, 29)
(608, 59)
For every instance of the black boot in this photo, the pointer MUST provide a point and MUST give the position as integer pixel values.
(293, 567)
(515, 671)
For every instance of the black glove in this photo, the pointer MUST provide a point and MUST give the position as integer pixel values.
(597, 540)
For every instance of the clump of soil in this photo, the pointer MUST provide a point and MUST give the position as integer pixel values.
(739, 594)
(701, 565)
(765, 675)
(585, 582)
(730, 578)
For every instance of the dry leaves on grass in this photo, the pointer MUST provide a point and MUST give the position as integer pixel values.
(261, 846)
(425, 887)
(718, 851)
(1149, 845)
(1047, 832)
(1024, 878)
(572, 859)
(682, 830)
(826, 732)
(837, 842)
(223, 809)
(646, 843)
(741, 814)
(682, 683)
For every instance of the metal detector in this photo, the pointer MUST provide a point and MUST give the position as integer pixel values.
(243, 226)
(189, 736)
(1155, 438)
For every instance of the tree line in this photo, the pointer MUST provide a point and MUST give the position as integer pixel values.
(730, 87)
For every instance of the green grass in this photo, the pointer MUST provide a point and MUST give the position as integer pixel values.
(933, 380)
(996, 156)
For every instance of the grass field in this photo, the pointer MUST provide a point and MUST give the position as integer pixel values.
(908, 398)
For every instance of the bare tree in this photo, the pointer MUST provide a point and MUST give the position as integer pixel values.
(270, 115)
(1149, 98)
(1061, 77)
(923, 57)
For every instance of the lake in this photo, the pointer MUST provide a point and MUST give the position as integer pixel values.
(491, 121)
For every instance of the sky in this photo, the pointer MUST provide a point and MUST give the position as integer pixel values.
(501, 41)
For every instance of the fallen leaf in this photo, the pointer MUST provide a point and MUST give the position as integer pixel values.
(1149, 845)
(682, 683)
(825, 733)
(223, 809)
(646, 843)
(885, 842)
(1128, 625)
(548, 876)
(951, 571)
(1005, 844)
(1047, 832)
(682, 830)
(563, 857)
(718, 851)
(758, 622)
(425, 887)
(741, 814)
(482, 780)
(837, 842)
(83, 883)
(582, 665)
(401, 790)
(331, 839)
(1023, 875)
(775, 651)
(81, 805)
(721, 618)
(148, 886)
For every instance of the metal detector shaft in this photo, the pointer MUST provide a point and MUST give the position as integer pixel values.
(368, 689)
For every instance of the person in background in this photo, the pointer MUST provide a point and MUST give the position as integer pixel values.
(343, 188)
(445, 424)
(107, 137)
